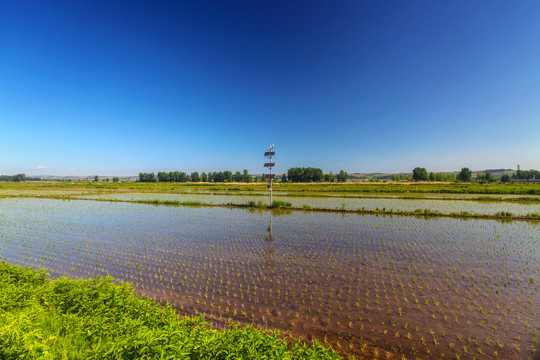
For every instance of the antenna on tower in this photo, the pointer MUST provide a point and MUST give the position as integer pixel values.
(269, 153)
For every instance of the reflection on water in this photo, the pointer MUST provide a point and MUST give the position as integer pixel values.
(269, 251)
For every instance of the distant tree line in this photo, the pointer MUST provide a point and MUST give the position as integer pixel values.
(424, 176)
(505, 178)
(18, 177)
(180, 176)
(487, 177)
(305, 174)
(309, 174)
(114, 179)
(297, 174)
(420, 174)
(465, 175)
(147, 177)
(526, 174)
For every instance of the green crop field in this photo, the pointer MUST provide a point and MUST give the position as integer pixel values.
(339, 188)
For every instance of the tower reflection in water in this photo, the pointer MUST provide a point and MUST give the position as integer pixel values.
(269, 239)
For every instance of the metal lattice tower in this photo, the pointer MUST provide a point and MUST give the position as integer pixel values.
(269, 153)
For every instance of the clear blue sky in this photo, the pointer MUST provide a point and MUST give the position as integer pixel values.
(115, 88)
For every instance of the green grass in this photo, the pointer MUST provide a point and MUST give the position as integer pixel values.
(350, 187)
(280, 204)
(97, 319)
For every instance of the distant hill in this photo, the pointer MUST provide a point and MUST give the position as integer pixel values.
(497, 173)
(494, 171)
(84, 177)
(387, 176)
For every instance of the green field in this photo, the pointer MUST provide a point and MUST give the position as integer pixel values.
(324, 188)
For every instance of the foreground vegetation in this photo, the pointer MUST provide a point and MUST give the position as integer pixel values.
(96, 319)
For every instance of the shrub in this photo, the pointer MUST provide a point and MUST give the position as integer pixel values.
(279, 204)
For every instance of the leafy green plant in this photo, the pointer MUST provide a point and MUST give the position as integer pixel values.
(97, 319)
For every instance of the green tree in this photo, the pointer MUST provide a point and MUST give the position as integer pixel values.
(526, 174)
(204, 178)
(431, 176)
(16, 178)
(316, 175)
(246, 177)
(465, 174)
(96, 178)
(419, 174)
(184, 177)
(489, 177)
(342, 176)
(147, 177)
(115, 179)
(195, 176)
(295, 174)
(305, 174)
(237, 177)
(505, 178)
(162, 176)
(284, 178)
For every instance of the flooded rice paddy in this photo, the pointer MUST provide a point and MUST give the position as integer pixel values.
(349, 203)
(369, 285)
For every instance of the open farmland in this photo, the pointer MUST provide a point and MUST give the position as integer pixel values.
(365, 284)
(420, 189)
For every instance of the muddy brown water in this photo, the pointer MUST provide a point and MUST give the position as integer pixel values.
(370, 286)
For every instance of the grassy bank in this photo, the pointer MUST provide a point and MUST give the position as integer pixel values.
(339, 188)
(96, 319)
